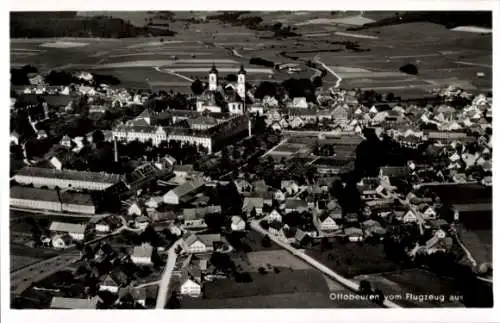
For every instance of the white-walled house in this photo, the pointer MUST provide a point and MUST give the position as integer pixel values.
(142, 254)
(274, 216)
(237, 223)
(191, 288)
(409, 216)
(134, 209)
(201, 243)
(75, 231)
(109, 284)
(327, 223)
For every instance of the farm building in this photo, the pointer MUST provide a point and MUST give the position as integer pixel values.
(71, 179)
(142, 254)
(201, 243)
(75, 231)
(184, 191)
(51, 200)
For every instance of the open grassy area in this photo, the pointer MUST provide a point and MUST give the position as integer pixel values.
(352, 259)
(442, 56)
(276, 258)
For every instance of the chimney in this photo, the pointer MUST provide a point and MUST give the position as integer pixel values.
(116, 150)
(46, 110)
(249, 127)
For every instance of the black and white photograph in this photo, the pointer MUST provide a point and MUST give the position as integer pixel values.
(179, 160)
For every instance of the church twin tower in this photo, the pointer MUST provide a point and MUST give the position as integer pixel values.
(240, 87)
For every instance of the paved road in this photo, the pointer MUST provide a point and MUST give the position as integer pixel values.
(23, 278)
(353, 286)
(161, 299)
(339, 79)
(276, 146)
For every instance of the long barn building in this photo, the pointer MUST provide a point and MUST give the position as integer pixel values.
(51, 200)
(70, 179)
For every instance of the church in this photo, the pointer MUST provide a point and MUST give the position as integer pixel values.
(235, 95)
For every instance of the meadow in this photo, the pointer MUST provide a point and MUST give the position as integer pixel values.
(442, 56)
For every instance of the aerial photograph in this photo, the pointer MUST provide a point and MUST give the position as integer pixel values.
(250, 159)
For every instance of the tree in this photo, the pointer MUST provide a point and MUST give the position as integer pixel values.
(325, 244)
(97, 137)
(317, 81)
(197, 87)
(231, 78)
(266, 242)
(390, 97)
(265, 89)
(379, 296)
(174, 302)
(365, 287)
(409, 69)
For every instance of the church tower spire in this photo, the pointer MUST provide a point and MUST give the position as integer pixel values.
(241, 83)
(212, 78)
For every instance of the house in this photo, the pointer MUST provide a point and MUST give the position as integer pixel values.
(66, 141)
(154, 202)
(61, 241)
(190, 288)
(283, 123)
(109, 284)
(142, 222)
(184, 191)
(102, 227)
(253, 203)
(237, 223)
(14, 138)
(134, 209)
(428, 212)
(296, 122)
(194, 218)
(75, 231)
(41, 135)
(74, 303)
(291, 187)
(295, 205)
(142, 254)
(351, 218)
(275, 126)
(354, 234)
(299, 103)
(201, 243)
(301, 237)
(327, 223)
(409, 216)
(274, 216)
(279, 196)
(138, 295)
(335, 212)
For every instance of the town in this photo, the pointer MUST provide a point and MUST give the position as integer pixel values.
(246, 194)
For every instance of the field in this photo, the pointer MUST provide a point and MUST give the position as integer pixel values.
(352, 259)
(442, 56)
(417, 282)
(276, 258)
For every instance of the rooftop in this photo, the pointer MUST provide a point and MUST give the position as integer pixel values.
(69, 175)
(67, 227)
(74, 303)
